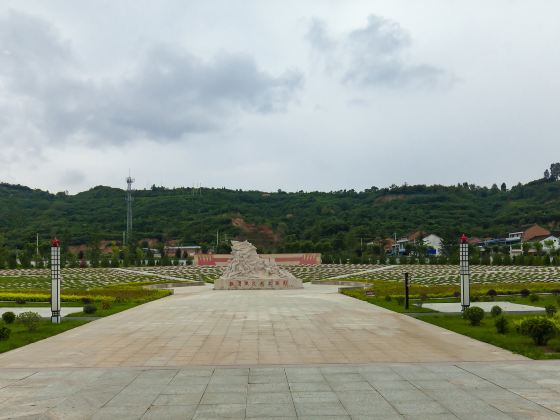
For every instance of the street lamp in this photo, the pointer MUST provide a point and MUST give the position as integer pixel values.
(55, 281)
(464, 272)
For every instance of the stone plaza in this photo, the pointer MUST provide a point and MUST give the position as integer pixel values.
(308, 353)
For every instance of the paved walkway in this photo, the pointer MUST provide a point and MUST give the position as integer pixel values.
(201, 326)
(305, 354)
(470, 391)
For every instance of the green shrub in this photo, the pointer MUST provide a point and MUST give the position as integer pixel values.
(550, 310)
(491, 292)
(86, 300)
(30, 320)
(400, 300)
(387, 298)
(502, 324)
(9, 317)
(90, 309)
(534, 298)
(474, 315)
(496, 310)
(106, 305)
(525, 292)
(21, 301)
(540, 329)
(4, 333)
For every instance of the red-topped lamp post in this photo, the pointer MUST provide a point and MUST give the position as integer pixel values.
(464, 272)
(55, 281)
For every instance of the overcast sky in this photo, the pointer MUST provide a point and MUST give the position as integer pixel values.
(310, 95)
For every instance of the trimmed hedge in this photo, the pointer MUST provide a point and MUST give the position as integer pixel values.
(45, 297)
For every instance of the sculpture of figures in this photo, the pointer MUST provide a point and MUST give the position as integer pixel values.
(253, 271)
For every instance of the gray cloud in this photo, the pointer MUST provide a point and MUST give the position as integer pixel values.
(72, 177)
(168, 96)
(371, 56)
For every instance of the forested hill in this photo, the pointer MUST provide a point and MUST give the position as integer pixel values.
(314, 221)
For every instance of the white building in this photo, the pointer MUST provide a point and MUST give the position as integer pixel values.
(433, 242)
(555, 243)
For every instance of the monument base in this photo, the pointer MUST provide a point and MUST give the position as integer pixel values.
(257, 284)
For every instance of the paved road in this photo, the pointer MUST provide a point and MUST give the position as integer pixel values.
(200, 326)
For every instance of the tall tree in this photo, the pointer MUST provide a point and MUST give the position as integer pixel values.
(555, 171)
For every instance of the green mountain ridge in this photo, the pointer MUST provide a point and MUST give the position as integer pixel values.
(280, 221)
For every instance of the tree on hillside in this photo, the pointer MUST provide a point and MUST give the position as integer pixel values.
(503, 187)
(555, 171)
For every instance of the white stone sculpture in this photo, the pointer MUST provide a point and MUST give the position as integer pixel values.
(247, 270)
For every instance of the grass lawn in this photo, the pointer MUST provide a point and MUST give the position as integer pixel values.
(486, 332)
(392, 304)
(115, 308)
(21, 337)
(114, 298)
(383, 288)
(544, 300)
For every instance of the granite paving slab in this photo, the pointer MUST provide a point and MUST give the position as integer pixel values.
(111, 393)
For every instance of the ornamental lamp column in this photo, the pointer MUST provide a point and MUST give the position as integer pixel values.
(55, 281)
(464, 272)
